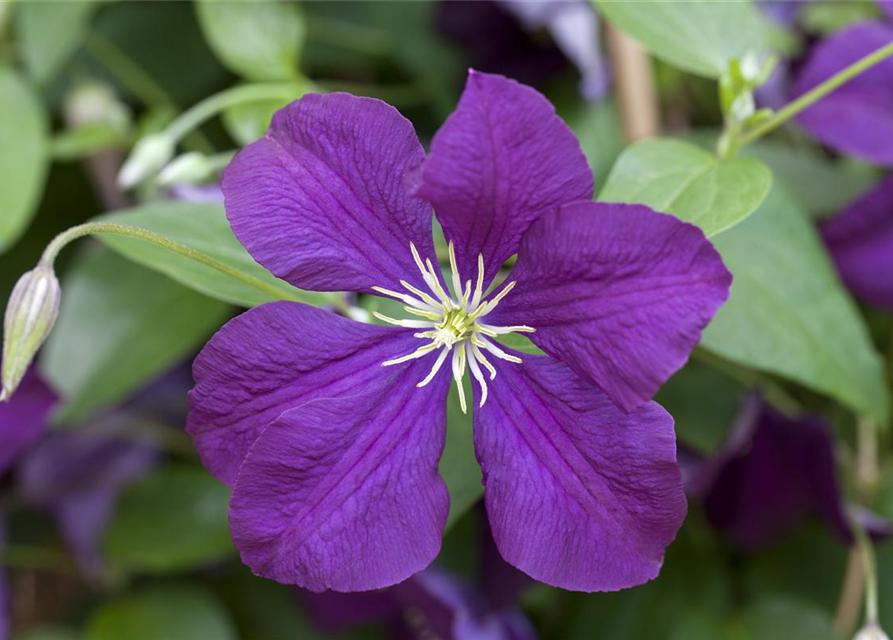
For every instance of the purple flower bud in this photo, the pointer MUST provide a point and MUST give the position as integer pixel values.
(30, 316)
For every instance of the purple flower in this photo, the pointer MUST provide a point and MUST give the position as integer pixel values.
(434, 603)
(23, 418)
(857, 118)
(771, 474)
(77, 474)
(331, 431)
(860, 240)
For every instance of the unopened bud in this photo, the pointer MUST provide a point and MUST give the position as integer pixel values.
(189, 168)
(871, 631)
(30, 316)
(147, 158)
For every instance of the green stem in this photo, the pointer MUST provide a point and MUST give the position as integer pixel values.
(870, 569)
(213, 105)
(94, 228)
(807, 99)
(136, 80)
(28, 557)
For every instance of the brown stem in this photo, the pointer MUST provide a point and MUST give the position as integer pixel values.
(635, 86)
(852, 591)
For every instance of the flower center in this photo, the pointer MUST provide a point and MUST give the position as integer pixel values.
(452, 324)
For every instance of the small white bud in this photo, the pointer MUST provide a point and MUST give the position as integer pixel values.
(189, 168)
(147, 158)
(871, 631)
(30, 315)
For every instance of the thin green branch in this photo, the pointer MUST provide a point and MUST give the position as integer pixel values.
(814, 95)
(99, 228)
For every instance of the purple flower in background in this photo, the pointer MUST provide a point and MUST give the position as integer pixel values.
(860, 240)
(331, 431)
(431, 604)
(434, 604)
(23, 418)
(77, 474)
(574, 26)
(856, 118)
(771, 474)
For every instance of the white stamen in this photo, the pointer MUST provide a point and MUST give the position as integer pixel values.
(409, 324)
(458, 374)
(452, 322)
(479, 288)
(489, 330)
(412, 302)
(437, 364)
(476, 371)
(499, 353)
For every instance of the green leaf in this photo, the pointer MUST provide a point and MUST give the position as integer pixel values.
(700, 37)
(704, 403)
(597, 127)
(787, 618)
(824, 186)
(458, 466)
(694, 185)
(257, 40)
(170, 611)
(119, 326)
(49, 34)
(248, 121)
(788, 313)
(172, 520)
(203, 227)
(24, 150)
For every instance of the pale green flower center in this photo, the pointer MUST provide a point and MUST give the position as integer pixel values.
(452, 324)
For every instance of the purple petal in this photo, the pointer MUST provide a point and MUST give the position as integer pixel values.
(274, 358)
(860, 240)
(23, 418)
(887, 7)
(501, 160)
(617, 292)
(857, 118)
(77, 474)
(773, 472)
(344, 493)
(580, 495)
(321, 199)
(5, 599)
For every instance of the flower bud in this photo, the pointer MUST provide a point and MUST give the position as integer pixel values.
(871, 631)
(147, 158)
(189, 168)
(30, 316)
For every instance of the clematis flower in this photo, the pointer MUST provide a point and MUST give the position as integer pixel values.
(856, 118)
(771, 474)
(860, 239)
(330, 430)
(434, 603)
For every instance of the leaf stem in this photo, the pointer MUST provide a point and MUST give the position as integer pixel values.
(212, 105)
(99, 228)
(813, 95)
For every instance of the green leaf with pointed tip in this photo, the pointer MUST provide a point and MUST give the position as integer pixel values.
(174, 611)
(788, 312)
(694, 185)
(50, 33)
(701, 37)
(120, 325)
(172, 520)
(257, 40)
(24, 154)
(203, 227)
